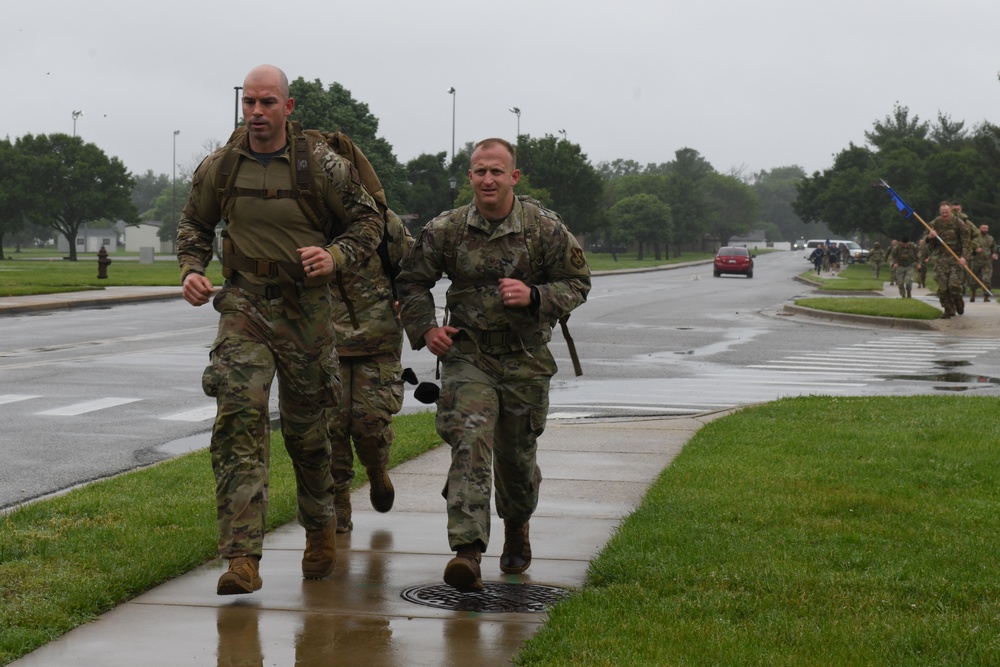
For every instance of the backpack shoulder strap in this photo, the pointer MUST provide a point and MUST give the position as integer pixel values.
(457, 222)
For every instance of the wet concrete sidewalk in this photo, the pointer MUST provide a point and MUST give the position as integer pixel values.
(595, 473)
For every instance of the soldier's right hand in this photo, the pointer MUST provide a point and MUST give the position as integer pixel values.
(439, 339)
(197, 289)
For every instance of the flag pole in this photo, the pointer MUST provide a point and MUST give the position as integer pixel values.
(903, 206)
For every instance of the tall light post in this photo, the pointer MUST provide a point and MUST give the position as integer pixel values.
(76, 114)
(236, 111)
(563, 132)
(517, 112)
(453, 184)
(173, 196)
(451, 91)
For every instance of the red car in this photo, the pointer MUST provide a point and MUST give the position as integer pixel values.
(734, 260)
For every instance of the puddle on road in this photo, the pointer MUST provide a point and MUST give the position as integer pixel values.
(951, 376)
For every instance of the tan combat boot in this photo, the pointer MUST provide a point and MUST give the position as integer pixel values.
(243, 576)
(516, 556)
(342, 507)
(462, 571)
(382, 493)
(321, 552)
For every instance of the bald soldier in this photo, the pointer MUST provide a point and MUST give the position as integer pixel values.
(275, 317)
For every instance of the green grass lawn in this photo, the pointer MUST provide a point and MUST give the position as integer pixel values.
(65, 560)
(42, 272)
(809, 531)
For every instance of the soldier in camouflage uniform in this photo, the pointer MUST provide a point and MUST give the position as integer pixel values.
(370, 376)
(923, 256)
(949, 273)
(903, 259)
(276, 318)
(514, 269)
(982, 262)
(876, 257)
(970, 240)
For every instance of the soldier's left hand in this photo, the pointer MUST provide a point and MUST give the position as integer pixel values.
(514, 292)
(316, 261)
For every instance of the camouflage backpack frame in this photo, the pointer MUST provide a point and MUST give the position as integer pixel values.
(332, 222)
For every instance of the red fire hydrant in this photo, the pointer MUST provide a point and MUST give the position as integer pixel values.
(102, 263)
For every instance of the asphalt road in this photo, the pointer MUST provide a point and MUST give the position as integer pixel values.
(93, 392)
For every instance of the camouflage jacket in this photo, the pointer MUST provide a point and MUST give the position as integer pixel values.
(485, 253)
(987, 248)
(903, 254)
(951, 232)
(273, 228)
(369, 288)
(876, 256)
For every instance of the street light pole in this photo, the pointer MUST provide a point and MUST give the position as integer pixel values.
(453, 183)
(236, 111)
(173, 196)
(517, 112)
(451, 91)
(563, 132)
(76, 114)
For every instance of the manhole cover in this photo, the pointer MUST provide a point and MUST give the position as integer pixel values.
(495, 598)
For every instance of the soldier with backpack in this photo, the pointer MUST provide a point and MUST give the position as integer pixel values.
(515, 270)
(370, 374)
(276, 315)
(903, 259)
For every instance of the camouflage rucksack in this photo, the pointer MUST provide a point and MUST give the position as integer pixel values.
(906, 254)
(332, 222)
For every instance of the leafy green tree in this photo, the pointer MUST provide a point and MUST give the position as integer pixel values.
(643, 218)
(776, 190)
(897, 125)
(72, 183)
(429, 190)
(334, 108)
(12, 192)
(148, 187)
(561, 168)
(619, 168)
(687, 198)
(731, 205)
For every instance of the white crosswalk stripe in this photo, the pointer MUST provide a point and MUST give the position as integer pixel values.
(88, 406)
(14, 398)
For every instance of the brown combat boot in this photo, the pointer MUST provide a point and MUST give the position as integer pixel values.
(948, 314)
(342, 507)
(960, 306)
(986, 298)
(516, 556)
(243, 576)
(321, 552)
(382, 493)
(972, 299)
(909, 293)
(462, 571)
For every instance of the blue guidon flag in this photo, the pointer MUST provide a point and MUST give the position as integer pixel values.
(896, 199)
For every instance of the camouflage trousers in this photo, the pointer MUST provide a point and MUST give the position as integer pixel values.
(876, 269)
(904, 278)
(950, 278)
(256, 340)
(372, 392)
(982, 270)
(491, 411)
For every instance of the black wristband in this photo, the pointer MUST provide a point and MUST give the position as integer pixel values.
(536, 298)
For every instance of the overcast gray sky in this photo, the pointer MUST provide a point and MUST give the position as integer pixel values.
(756, 85)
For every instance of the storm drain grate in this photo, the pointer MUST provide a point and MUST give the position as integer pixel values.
(495, 598)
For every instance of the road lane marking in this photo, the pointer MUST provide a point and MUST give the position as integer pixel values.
(87, 406)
